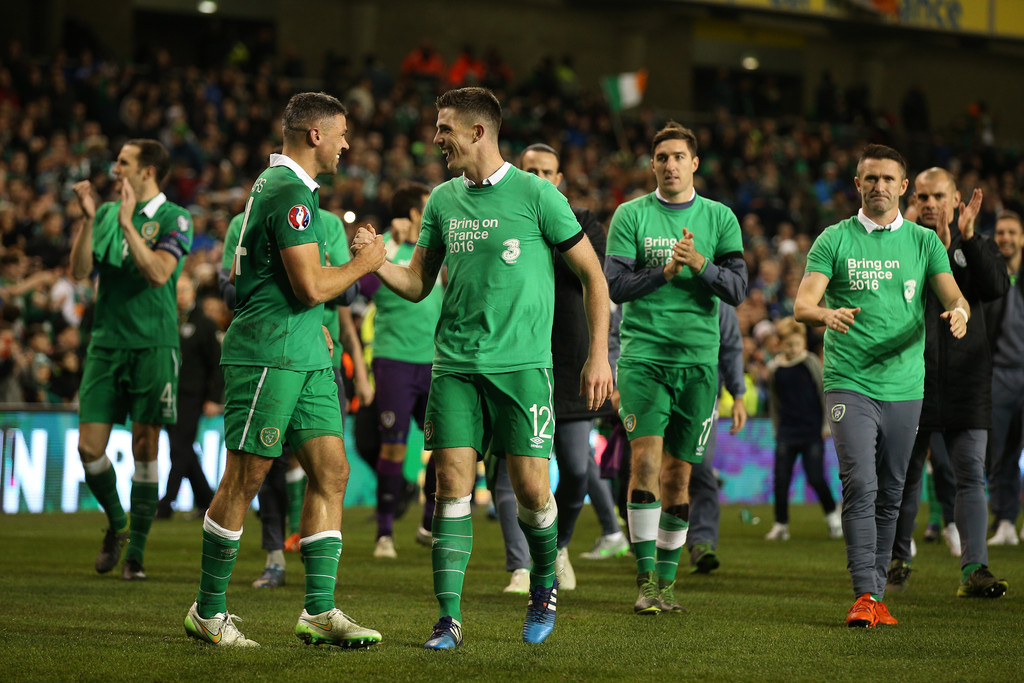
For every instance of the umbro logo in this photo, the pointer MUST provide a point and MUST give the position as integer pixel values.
(537, 442)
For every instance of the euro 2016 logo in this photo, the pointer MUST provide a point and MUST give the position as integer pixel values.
(299, 217)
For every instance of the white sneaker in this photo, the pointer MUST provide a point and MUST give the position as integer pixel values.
(835, 524)
(219, 630)
(564, 571)
(385, 547)
(520, 582)
(779, 532)
(334, 627)
(609, 545)
(424, 537)
(952, 536)
(1006, 534)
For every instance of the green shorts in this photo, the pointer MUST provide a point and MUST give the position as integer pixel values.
(675, 403)
(142, 383)
(511, 412)
(262, 405)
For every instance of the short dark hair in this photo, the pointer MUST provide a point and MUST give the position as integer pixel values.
(541, 147)
(477, 103)
(152, 153)
(307, 109)
(675, 131)
(882, 152)
(1007, 215)
(407, 197)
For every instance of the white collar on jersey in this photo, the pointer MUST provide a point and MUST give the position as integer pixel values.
(871, 226)
(661, 197)
(282, 160)
(153, 204)
(492, 179)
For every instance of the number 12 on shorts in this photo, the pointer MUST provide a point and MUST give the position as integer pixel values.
(541, 413)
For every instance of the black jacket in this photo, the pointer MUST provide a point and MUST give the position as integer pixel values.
(200, 378)
(958, 372)
(570, 336)
(996, 310)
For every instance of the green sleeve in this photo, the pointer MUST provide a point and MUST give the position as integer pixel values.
(622, 234)
(430, 228)
(231, 241)
(730, 236)
(292, 214)
(821, 257)
(557, 221)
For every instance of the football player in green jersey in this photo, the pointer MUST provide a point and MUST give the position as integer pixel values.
(672, 255)
(872, 270)
(279, 380)
(495, 226)
(136, 245)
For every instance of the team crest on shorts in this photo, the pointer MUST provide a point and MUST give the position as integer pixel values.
(387, 418)
(428, 430)
(298, 217)
(629, 423)
(149, 230)
(269, 436)
(838, 410)
(909, 289)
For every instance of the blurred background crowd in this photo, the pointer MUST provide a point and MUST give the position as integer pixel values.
(63, 118)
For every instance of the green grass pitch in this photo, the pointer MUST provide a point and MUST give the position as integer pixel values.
(773, 611)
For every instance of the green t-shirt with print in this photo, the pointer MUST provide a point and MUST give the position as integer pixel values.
(676, 324)
(496, 312)
(886, 273)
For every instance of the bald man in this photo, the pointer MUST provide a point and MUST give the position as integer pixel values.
(957, 388)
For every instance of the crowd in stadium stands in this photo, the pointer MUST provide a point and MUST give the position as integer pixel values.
(62, 119)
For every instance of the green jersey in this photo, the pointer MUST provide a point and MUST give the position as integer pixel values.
(271, 326)
(404, 330)
(676, 324)
(129, 313)
(886, 274)
(497, 310)
(337, 255)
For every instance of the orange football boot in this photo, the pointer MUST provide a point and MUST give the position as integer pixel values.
(862, 614)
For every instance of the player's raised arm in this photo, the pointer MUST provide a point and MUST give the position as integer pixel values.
(81, 247)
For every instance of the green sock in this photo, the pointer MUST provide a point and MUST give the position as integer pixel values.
(672, 530)
(453, 543)
(145, 495)
(296, 491)
(643, 524)
(969, 569)
(104, 489)
(543, 550)
(219, 555)
(321, 559)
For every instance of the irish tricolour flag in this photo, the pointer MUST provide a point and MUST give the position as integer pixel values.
(624, 90)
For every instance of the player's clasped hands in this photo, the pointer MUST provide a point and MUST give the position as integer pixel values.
(368, 245)
(840, 319)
